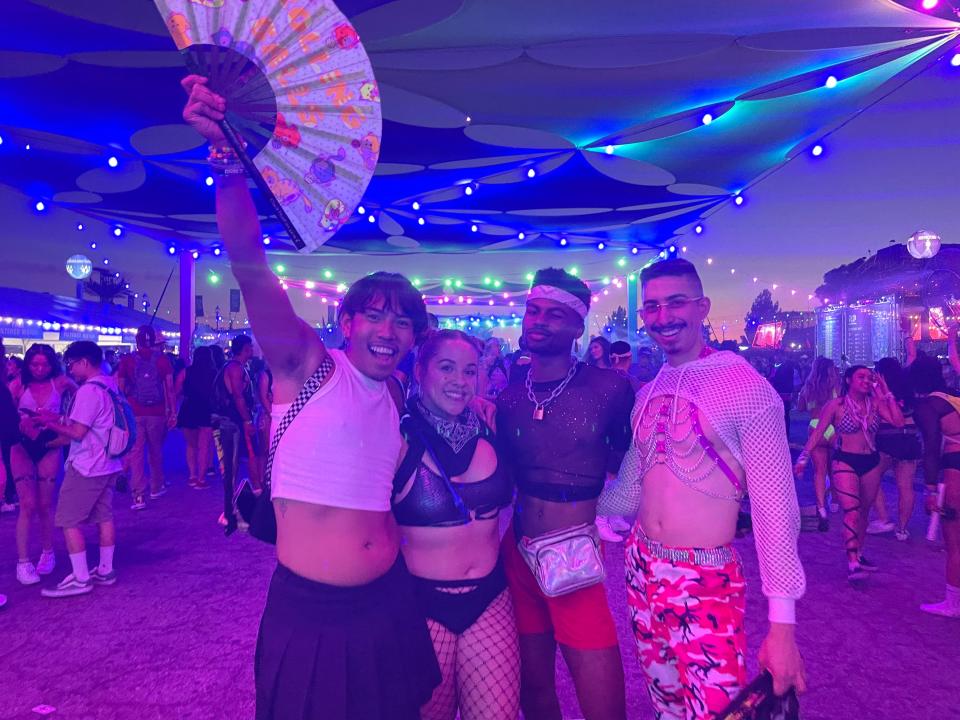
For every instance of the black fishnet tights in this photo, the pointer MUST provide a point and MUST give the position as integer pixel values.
(481, 667)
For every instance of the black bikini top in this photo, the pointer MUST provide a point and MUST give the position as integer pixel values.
(430, 501)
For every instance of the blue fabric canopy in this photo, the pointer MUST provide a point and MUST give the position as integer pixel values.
(513, 126)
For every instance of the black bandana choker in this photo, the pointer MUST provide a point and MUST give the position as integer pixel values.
(457, 432)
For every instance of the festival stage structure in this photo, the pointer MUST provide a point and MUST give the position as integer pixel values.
(872, 305)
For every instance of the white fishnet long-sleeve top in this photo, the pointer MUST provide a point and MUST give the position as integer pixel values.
(747, 414)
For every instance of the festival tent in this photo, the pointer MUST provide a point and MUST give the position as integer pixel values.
(28, 317)
(515, 135)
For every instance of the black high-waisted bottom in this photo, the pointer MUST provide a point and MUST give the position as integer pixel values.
(862, 463)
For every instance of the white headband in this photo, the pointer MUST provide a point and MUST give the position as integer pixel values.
(548, 292)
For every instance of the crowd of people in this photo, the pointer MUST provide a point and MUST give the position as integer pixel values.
(385, 467)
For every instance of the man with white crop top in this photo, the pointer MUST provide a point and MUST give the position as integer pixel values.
(342, 636)
(706, 430)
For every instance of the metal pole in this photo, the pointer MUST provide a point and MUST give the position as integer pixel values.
(187, 290)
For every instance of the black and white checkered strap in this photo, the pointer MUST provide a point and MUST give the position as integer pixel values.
(308, 390)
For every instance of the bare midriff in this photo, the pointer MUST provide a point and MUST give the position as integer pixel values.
(538, 516)
(334, 545)
(461, 552)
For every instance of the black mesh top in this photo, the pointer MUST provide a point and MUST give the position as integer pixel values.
(583, 435)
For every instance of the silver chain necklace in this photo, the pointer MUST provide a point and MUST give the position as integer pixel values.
(540, 406)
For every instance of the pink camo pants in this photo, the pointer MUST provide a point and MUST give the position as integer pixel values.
(688, 623)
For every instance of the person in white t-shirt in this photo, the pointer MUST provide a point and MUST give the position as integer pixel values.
(90, 475)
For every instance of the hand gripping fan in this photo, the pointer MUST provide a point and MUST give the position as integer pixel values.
(300, 93)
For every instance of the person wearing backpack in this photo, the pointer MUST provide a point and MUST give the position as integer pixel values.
(91, 470)
(146, 379)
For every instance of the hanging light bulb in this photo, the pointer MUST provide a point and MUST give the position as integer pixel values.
(112, 161)
(831, 82)
(531, 173)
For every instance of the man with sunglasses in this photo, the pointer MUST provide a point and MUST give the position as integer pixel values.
(706, 430)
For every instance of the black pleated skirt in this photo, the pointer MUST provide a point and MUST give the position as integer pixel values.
(343, 653)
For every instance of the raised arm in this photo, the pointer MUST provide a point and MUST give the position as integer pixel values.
(289, 344)
(887, 404)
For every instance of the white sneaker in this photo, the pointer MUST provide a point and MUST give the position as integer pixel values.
(68, 587)
(155, 494)
(27, 573)
(606, 532)
(879, 527)
(902, 534)
(138, 503)
(618, 524)
(944, 609)
(47, 562)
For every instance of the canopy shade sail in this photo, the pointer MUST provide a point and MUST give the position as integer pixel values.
(506, 126)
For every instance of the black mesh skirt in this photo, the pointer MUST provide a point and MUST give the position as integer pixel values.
(343, 653)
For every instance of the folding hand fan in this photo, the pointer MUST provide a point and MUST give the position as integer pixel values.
(300, 93)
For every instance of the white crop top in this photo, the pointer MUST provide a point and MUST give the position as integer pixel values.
(342, 449)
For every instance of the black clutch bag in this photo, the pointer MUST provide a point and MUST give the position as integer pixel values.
(757, 702)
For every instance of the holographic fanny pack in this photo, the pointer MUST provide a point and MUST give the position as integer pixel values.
(564, 561)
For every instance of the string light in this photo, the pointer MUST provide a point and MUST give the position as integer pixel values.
(831, 82)
(416, 205)
(521, 236)
(817, 150)
(40, 206)
(80, 226)
(266, 239)
(117, 231)
(738, 200)
(217, 250)
(563, 242)
(531, 173)
(195, 255)
(213, 278)
(171, 250)
(371, 218)
(421, 221)
(208, 181)
(955, 60)
(706, 119)
(609, 149)
(112, 161)
(361, 209)
(93, 246)
(473, 228)
(698, 229)
(280, 268)
(635, 250)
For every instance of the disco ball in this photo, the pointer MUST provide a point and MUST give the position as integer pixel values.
(79, 267)
(923, 244)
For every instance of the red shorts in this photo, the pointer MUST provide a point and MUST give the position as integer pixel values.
(580, 620)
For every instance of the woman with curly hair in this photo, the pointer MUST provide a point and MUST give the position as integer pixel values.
(36, 459)
(822, 386)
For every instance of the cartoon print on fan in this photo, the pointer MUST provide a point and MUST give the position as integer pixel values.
(369, 148)
(285, 190)
(285, 135)
(334, 215)
(180, 29)
(322, 170)
(369, 91)
(346, 37)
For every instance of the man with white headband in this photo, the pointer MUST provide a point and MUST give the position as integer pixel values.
(706, 430)
(562, 426)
